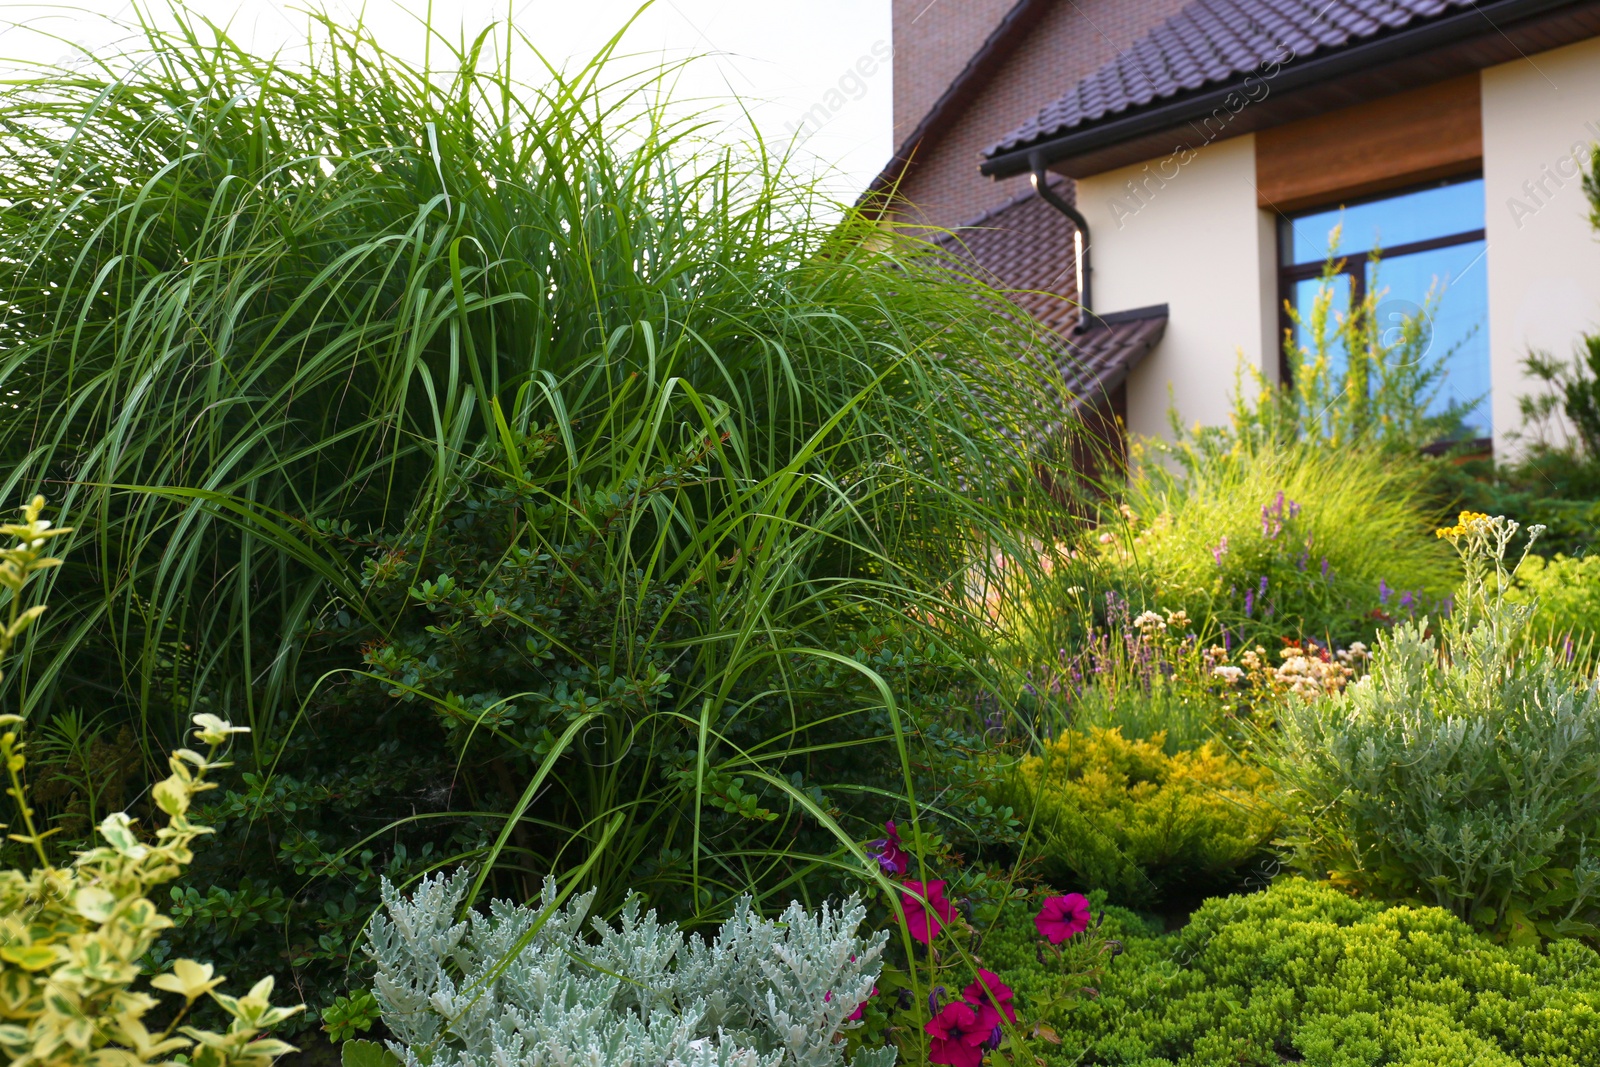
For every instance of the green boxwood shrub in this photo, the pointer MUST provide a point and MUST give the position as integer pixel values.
(1304, 973)
(1126, 816)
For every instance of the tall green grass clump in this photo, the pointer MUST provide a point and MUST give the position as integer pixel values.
(1283, 542)
(319, 354)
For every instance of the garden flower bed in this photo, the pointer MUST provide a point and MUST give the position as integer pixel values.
(625, 624)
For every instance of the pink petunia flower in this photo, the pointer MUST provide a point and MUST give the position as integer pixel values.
(855, 1016)
(1062, 917)
(958, 1036)
(888, 852)
(926, 920)
(990, 994)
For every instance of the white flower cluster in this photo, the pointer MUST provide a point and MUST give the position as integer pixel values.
(522, 987)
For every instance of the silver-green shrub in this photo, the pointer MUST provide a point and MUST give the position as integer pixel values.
(523, 987)
(1463, 771)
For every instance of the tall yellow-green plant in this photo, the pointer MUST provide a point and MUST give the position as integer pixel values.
(71, 938)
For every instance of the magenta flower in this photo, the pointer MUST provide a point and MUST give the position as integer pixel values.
(958, 1036)
(924, 921)
(890, 856)
(990, 994)
(855, 1016)
(1062, 917)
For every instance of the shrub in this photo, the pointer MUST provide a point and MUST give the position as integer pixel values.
(1459, 772)
(71, 940)
(1304, 973)
(1124, 816)
(522, 985)
(1289, 542)
(1565, 593)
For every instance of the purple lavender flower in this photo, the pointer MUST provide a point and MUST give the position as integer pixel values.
(1325, 568)
(1249, 602)
(1221, 550)
(1406, 601)
(1383, 592)
(1263, 590)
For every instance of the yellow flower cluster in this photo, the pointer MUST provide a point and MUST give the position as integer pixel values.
(1467, 522)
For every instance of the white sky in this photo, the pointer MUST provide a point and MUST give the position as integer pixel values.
(781, 58)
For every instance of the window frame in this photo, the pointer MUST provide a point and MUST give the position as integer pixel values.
(1290, 275)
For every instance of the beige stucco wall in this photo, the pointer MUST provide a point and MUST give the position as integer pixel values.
(1543, 258)
(1189, 235)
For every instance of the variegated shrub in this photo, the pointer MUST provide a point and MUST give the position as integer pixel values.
(71, 937)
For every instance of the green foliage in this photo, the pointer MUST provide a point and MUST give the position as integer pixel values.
(348, 1016)
(1553, 487)
(1303, 973)
(542, 643)
(360, 1053)
(1283, 542)
(1125, 816)
(521, 985)
(1361, 384)
(314, 302)
(1573, 389)
(297, 859)
(292, 300)
(71, 938)
(1461, 772)
(1565, 593)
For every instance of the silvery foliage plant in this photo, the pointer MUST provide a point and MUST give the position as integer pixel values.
(523, 987)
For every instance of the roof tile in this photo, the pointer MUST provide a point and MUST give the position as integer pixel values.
(1025, 249)
(1214, 41)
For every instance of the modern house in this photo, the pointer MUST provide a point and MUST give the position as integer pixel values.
(1178, 165)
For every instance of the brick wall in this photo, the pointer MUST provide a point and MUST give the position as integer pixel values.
(933, 39)
(1073, 39)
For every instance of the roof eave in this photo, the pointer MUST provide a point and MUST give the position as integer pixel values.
(1091, 148)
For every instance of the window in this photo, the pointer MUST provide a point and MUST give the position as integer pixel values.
(1429, 238)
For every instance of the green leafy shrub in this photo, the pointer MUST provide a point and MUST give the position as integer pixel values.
(538, 647)
(1565, 593)
(1291, 542)
(1125, 816)
(71, 939)
(1461, 772)
(523, 985)
(1304, 973)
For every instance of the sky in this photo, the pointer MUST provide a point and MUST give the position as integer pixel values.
(814, 70)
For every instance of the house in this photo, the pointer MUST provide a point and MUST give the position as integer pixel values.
(1178, 166)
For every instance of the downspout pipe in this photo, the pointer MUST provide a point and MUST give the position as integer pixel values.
(1080, 238)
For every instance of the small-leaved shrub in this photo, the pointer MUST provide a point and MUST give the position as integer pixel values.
(1304, 973)
(1125, 816)
(522, 986)
(1463, 771)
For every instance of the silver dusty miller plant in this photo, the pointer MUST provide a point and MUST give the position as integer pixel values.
(522, 987)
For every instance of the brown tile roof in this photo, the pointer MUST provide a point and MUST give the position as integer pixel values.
(1025, 249)
(1211, 42)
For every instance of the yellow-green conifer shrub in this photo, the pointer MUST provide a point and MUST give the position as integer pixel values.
(71, 938)
(1124, 816)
